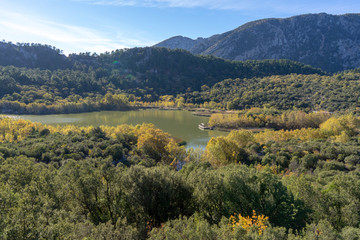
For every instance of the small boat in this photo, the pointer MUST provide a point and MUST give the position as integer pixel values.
(204, 126)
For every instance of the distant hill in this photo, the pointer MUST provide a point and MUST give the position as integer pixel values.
(176, 71)
(336, 92)
(159, 70)
(32, 56)
(329, 42)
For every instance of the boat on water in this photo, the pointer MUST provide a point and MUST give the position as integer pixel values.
(204, 126)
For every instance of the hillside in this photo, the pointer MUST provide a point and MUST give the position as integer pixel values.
(329, 42)
(109, 81)
(33, 72)
(178, 71)
(32, 56)
(308, 92)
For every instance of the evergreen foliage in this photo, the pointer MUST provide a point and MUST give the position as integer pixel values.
(106, 183)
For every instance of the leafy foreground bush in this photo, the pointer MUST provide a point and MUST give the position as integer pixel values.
(122, 183)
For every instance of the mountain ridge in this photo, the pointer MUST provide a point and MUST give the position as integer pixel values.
(329, 42)
(163, 70)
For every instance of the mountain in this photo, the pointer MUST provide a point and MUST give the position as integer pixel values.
(163, 70)
(329, 42)
(32, 56)
(80, 81)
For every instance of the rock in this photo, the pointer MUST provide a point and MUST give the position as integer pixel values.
(329, 42)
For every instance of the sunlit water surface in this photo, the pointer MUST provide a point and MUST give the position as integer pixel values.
(178, 123)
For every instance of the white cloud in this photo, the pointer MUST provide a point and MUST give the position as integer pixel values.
(279, 6)
(211, 4)
(24, 28)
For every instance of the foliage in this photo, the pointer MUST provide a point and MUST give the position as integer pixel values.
(121, 183)
(116, 80)
(269, 118)
(246, 223)
(331, 93)
(136, 182)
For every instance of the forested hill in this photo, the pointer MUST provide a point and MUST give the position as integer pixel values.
(32, 56)
(308, 92)
(159, 70)
(176, 71)
(329, 42)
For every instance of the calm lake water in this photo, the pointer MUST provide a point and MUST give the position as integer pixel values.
(178, 123)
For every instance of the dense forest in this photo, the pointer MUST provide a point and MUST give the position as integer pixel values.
(270, 118)
(308, 92)
(64, 91)
(32, 84)
(135, 182)
(294, 175)
(136, 77)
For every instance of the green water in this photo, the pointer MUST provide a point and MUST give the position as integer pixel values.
(178, 123)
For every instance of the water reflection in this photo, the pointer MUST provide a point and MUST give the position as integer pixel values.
(178, 123)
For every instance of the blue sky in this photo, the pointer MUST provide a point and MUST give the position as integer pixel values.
(103, 25)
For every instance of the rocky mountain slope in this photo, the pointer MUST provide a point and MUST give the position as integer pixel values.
(330, 42)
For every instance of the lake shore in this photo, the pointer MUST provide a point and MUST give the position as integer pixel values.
(179, 123)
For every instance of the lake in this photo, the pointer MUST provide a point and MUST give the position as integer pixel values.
(178, 123)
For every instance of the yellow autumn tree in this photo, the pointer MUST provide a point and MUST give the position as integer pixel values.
(331, 127)
(241, 137)
(335, 126)
(260, 222)
(221, 151)
(175, 153)
(158, 144)
(17, 129)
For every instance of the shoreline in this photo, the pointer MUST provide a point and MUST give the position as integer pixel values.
(201, 112)
(195, 111)
(255, 130)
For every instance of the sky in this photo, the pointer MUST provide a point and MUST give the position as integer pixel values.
(97, 26)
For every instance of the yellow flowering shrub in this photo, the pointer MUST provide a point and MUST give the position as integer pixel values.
(259, 221)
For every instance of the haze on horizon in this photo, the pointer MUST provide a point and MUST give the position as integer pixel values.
(103, 25)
